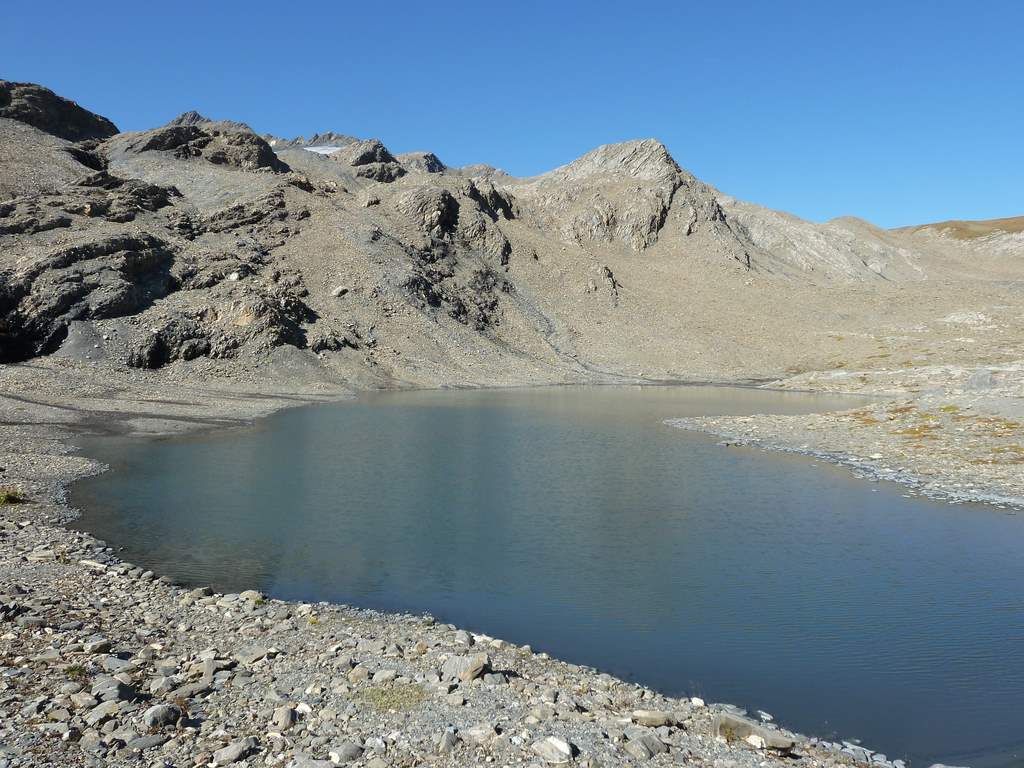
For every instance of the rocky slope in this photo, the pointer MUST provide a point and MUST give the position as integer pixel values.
(201, 244)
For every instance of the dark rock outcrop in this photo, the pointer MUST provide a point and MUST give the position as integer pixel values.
(439, 281)
(110, 277)
(96, 196)
(371, 159)
(424, 162)
(257, 319)
(43, 109)
(238, 149)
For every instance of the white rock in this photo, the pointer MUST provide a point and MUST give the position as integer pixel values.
(553, 750)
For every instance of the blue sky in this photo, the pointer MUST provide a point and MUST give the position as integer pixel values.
(899, 112)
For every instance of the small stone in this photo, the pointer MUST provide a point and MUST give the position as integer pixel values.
(160, 715)
(734, 727)
(447, 742)
(300, 760)
(553, 750)
(652, 718)
(284, 718)
(235, 752)
(465, 668)
(98, 645)
(102, 712)
(345, 753)
(250, 654)
(142, 743)
(481, 734)
(638, 749)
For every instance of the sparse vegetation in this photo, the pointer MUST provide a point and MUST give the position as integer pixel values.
(394, 697)
(10, 496)
(920, 431)
(864, 417)
(77, 673)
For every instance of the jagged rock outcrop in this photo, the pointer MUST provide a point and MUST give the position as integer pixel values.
(842, 249)
(111, 277)
(434, 209)
(43, 109)
(622, 193)
(423, 162)
(195, 118)
(238, 149)
(254, 318)
(371, 159)
(98, 195)
(327, 139)
(440, 283)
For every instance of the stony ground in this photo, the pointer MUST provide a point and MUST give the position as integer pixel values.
(947, 431)
(102, 663)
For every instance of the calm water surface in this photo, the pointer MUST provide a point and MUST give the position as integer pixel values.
(574, 520)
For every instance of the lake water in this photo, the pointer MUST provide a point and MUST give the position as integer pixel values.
(573, 519)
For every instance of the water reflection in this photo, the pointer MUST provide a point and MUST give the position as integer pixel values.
(574, 520)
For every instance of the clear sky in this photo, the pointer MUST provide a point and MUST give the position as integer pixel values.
(901, 112)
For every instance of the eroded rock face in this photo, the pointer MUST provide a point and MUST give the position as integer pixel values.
(617, 193)
(424, 162)
(434, 209)
(110, 277)
(439, 282)
(235, 148)
(97, 196)
(42, 108)
(253, 318)
(371, 159)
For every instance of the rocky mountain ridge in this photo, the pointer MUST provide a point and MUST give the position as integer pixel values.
(205, 245)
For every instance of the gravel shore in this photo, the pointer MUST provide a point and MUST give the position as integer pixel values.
(947, 432)
(104, 663)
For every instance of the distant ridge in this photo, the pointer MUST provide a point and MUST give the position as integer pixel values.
(968, 229)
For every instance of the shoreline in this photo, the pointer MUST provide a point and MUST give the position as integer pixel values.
(687, 727)
(861, 468)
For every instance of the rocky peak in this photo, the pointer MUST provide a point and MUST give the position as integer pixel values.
(425, 162)
(327, 139)
(195, 118)
(43, 109)
(366, 152)
(190, 118)
(647, 159)
(371, 159)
